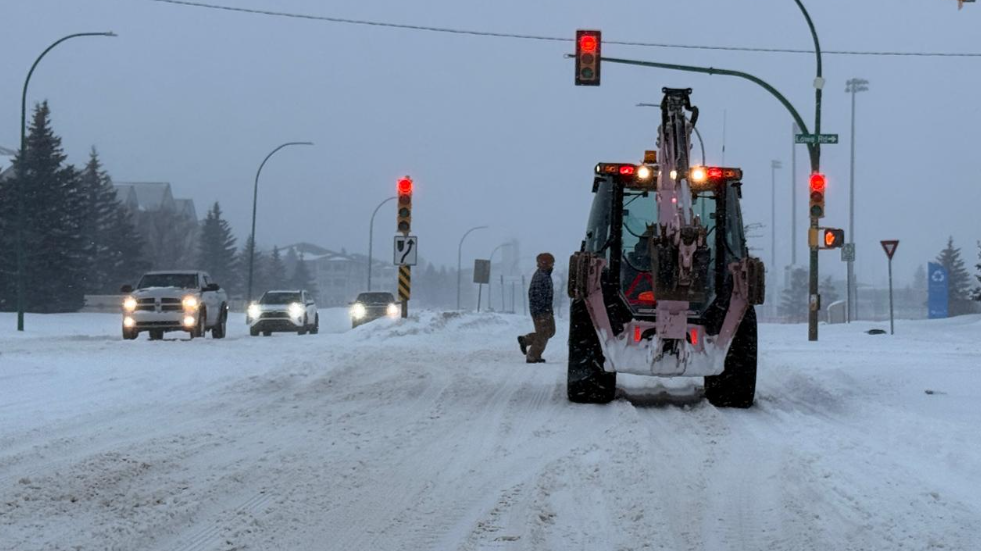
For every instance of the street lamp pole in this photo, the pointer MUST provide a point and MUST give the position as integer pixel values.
(490, 285)
(371, 236)
(21, 182)
(852, 86)
(459, 262)
(774, 165)
(255, 200)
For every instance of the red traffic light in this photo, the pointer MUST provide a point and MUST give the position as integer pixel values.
(405, 186)
(818, 182)
(587, 43)
(588, 55)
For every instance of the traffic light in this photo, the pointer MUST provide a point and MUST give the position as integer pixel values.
(817, 186)
(826, 238)
(404, 215)
(588, 58)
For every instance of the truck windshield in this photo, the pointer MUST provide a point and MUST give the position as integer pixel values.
(180, 281)
(279, 298)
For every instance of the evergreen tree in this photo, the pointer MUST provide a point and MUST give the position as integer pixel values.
(793, 299)
(958, 279)
(113, 247)
(216, 249)
(261, 280)
(277, 271)
(302, 279)
(828, 291)
(977, 291)
(55, 252)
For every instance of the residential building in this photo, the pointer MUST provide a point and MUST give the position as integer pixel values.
(340, 276)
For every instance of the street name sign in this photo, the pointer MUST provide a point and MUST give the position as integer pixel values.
(816, 138)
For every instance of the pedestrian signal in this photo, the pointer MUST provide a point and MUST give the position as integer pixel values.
(588, 58)
(826, 238)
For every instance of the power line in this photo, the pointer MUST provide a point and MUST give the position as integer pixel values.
(492, 34)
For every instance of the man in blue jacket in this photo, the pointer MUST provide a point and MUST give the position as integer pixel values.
(540, 304)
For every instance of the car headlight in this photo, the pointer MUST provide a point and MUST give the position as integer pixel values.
(393, 310)
(254, 311)
(296, 309)
(129, 304)
(190, 302)
(358, 311)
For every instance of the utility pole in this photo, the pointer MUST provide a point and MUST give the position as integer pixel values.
(852, 86)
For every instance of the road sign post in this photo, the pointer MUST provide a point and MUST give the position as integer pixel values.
(890, 248)
(481, 276)
(406, 246)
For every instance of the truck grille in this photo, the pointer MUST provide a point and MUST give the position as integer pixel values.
(164, 305)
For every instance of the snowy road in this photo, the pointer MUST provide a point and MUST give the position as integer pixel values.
(434, 434)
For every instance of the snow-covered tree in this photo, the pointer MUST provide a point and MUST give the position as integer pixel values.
(793, 299)
(55, 255)
(977, 291)
(216, 250)
(277, 270)
(958, 280)
(302, 279)
(113, 247)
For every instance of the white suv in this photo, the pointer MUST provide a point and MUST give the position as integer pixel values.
(283, 311)
(175, 301)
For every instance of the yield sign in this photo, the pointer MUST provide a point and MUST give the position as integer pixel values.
(890, 247)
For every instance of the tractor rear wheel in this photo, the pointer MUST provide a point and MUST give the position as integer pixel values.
(587, 382)
(736, 386)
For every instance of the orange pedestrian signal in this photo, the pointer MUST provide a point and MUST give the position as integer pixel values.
(404, 213)
(588, 47)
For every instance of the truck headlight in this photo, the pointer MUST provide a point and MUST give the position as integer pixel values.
(190, 302)
(129, 322)
(254, 311)
(189, 321)
(296, 309)
(358, 311)
(129, 304)
(393, 310)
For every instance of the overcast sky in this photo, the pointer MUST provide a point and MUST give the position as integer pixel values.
(493, 130)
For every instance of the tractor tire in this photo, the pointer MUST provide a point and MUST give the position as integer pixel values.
(736, 386)
(221, 328)
(587, 382)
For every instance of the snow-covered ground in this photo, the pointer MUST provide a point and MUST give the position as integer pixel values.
(432, 433)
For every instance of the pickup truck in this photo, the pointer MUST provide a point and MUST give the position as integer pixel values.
(185, 301)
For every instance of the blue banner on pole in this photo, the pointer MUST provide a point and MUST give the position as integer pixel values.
(937, 301)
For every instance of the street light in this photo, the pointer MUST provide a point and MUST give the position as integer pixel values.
(491, 284)
(371, 235)
(852, 86)
(255, 200)
(697, 133)
(459, 262)
(21, 182)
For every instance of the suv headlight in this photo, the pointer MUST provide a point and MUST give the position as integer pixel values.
(254, 311)
(393, 310)
(129, 304)
(358, 311)
(296, 309)
(190, 302)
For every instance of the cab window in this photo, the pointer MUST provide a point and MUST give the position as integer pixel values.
(598, 227)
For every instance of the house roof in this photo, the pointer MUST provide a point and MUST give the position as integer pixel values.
(151, 196)
(186, 207)
(6, 162)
